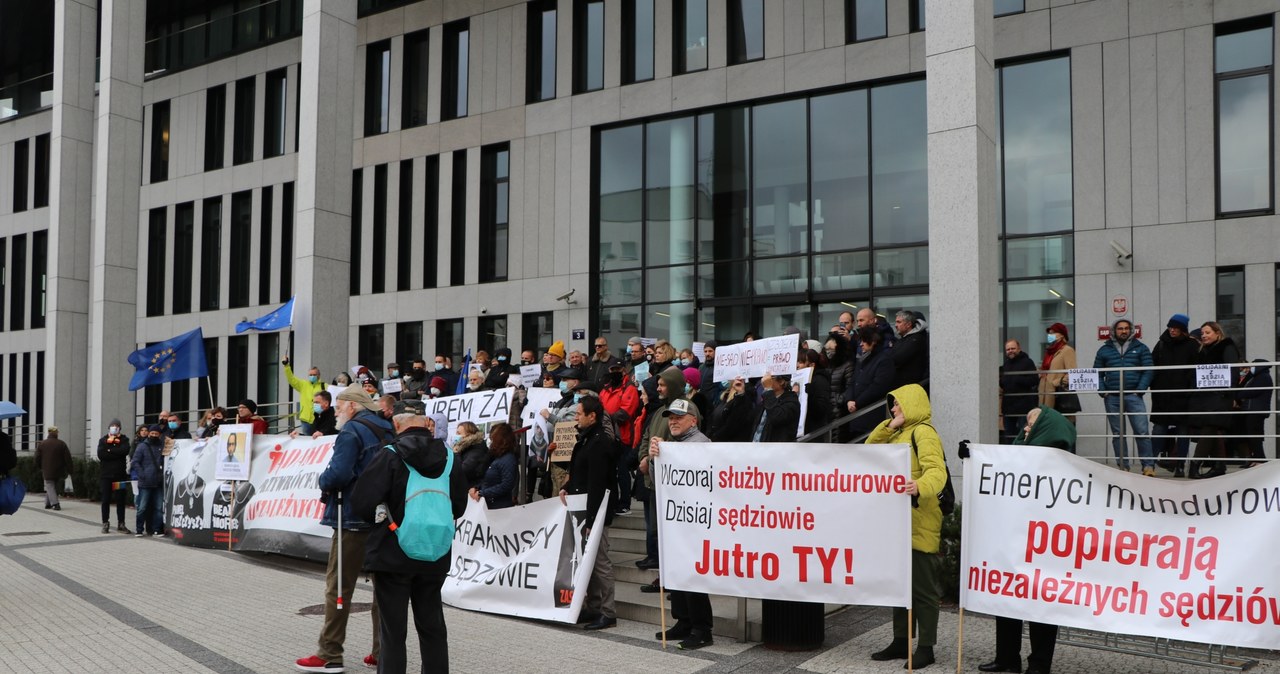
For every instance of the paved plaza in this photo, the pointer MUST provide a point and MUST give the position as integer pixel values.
(77, 600)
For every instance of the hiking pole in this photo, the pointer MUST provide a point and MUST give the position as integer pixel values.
(339, 602)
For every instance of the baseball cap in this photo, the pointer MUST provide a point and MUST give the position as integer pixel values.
(678, 407)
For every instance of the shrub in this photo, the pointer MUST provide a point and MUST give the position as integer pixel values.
(950, 551)
(84, 478)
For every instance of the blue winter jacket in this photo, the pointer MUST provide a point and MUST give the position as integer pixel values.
(354, 448)
(148, 464)
(1136, 354)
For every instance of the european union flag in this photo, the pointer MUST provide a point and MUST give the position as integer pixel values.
(175, 359)
(277, 320)
(464, 375)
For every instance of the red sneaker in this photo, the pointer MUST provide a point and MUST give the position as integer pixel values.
(370, 661)
(312, 663)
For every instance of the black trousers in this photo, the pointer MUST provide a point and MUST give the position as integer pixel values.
(394, 592)
(104, 486)
(1009, 643)
(692, 608)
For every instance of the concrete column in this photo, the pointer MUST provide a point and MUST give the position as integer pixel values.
(963, 221)
(323, 194)
(70, 211)
(117, 175)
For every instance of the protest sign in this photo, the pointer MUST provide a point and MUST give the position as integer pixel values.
(698, 348)
(772, 520)
(479, 408)
(232, 446)
(1058, 539)
(800, 384)
(640, 372)
(566, 436)
(528, 561)
(775, 355)
(536, 400)
(391, 386)
(1083, 379)
(1213, 376)
(530, 375)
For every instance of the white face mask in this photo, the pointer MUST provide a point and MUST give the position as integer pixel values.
(1051, 338)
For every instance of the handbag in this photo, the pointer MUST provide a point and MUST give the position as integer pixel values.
(1064, 401)
(12, 491)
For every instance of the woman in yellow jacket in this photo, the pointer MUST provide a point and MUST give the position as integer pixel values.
(910, 425)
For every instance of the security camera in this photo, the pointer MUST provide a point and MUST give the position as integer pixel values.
(484, 310)
(1122, 253)
(565, 297)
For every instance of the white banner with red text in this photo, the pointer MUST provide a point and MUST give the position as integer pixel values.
(803, 522)
(1058, 539)
(528, 561)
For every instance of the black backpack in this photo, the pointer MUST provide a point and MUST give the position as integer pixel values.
(946, 497)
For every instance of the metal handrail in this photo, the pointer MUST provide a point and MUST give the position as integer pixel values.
(847, 418)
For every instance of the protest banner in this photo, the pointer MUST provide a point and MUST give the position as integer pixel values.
(774, 355)
(800, 384)
(1058, 539)
(479, 408)
(781, 521)
(234, 442)
(528, 561)
(566, 436)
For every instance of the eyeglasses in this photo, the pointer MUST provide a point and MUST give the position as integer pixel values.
(602, 346)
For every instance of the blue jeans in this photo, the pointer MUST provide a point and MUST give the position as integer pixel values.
(305, 429)
(1135, 411)
(150, 514)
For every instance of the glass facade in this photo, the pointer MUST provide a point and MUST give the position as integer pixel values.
(588, 45)
(761, 216)
(495, 197)
(746, 31)
(1229, 305)
(540, 32)
(690, 36)
(273, 120)
(637, 41)
(377, 88)
(1033, 115)
(1243, 116)
(456, 66)
(866, 20)
(413, 107)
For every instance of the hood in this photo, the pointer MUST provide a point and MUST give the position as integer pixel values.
(422, 452)
(1052, 430)
(674, 380)
(915, 404)
(1260, 369)
(442, 425)
(920, 326)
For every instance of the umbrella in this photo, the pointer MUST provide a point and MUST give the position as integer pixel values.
(9, 410)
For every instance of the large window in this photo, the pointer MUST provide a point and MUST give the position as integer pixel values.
(241, 241)
(1033, 115)
(18, 283)
(865, 20)
(1003, 7)
(540, 74)
(357, 229)
(454, 73)
(536, 330)
(181, 35)
(378, 272)
(40, 186)
(588, 45)
(689, 18)
(369, 347)
(746, 31)
(637, 41)
(747, 218)
(286, 242)
(211, 254)
(215, 126)
(160, 142)
(1229, 307)
(273, 120)
(269, 372)
(404, 228)
(493, 334)
(413, 106)
(408, 343)
(39, 280)
(238, 367)
(1243, 82)
(430, 221)
(266, 252)
(184, 242)
(449, 340)
(458, 220)
(377, 88)
(21, 171)
(155, 263)
(495, 197)
(242, 135)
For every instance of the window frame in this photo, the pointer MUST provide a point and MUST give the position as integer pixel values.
(1232, 28)
(851, 22)
(454, 84)
(737, 41)
(536, 50)
(582, 57)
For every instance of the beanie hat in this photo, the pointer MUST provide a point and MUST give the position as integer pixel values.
(1060, 329)
(156, 428)
(438, 382)
(692, 377)
(253, 407)
(557, 349)
(1181, 321)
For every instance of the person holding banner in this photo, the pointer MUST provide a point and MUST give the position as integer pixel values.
(669, 388)
(1045, 427)
(910, 424)
(592, 471)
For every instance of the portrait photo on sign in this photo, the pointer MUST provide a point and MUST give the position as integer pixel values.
(232, 448)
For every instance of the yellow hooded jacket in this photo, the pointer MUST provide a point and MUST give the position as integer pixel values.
(928, 464)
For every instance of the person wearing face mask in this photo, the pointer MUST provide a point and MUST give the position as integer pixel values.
(500, 370)
(711, 389)
(443, 368)
(669, 388)
(416, 383)
(693, 393)
(1058, 355)
(470, 452)
(438, 388)
(148, 469)
(528, 357)
(326, 422)
(500, 476)
(343, 379)
(113, 452)
(840, 359)
(392, 372)
(1170, 392)
(307, 389)
(564, 409)
(175, 429)
(210, 422)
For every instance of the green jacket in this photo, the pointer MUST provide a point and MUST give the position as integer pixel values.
(306, 391)
(1051, 430)
(656, 425)
(928, 464)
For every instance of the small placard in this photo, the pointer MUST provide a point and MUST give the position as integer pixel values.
(1083, 379)
(392, 385)
(641, 372)
(566, 435)
(1213, 376)
(530, 374)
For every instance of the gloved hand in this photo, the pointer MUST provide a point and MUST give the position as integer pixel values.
(964, 449)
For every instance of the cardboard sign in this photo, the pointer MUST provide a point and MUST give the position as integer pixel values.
(566, 436)
(1104, 332)
(1213, 376)
(392, 385)
(1082, 379)
(231, 447)
(530, 375)
(697, 349)
(641, 372)
(775, 355)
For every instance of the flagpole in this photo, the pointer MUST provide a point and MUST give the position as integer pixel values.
(208, 385)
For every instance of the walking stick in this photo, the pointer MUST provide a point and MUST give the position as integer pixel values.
(662, 611)
(339, 603)
(233, 509)
(960, 643)
(911, 611)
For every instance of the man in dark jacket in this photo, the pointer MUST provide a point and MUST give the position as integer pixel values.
(872, 380)
(1254, 398)
(174, 428)
(911, 351)
(1124, 350)
(398, 578)
(54, 458)
(501, 369)
(778, 416)
(593, 471)
(148, 469)
(8, 455)
(113, 452)
(601, 360)
(1018, 386)
(362, 433)
(1169, 406)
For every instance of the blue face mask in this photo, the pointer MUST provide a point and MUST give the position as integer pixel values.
(393, 374)
(315, 407)
(1051, 338)
(502, 359)
(564, 388)
(439, 366)
(679, 362)
(688, 389)
(314, 379)
(577, 397)
(456, 439)
(173, 425)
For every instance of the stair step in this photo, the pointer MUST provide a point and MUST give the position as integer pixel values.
(632, 604)
(632, 520)
(626, 540)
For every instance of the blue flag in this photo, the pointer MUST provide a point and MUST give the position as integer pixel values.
(174, 359)
(463, 376)
(277, 320)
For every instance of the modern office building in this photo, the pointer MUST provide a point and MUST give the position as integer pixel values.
(438, 175)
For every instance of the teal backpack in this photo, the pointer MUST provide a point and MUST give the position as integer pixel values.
(426, 531)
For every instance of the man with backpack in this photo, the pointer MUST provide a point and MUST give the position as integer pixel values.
(362, 432)
(423, 490)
